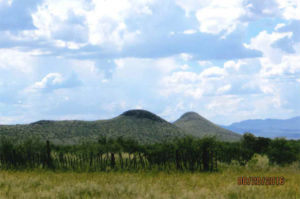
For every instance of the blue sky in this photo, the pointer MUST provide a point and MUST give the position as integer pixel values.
(94, 59)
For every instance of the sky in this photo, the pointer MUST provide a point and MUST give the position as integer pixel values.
(94, 59)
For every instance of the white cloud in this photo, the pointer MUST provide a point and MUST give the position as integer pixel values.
(279, 73)
(193, 84)
(290, 9)
(51, 16)
(224, 103)
(212, 20)
(133, 66)
(8, 2)
(185, 56)
(280, 25)
(171, 111)
(83, 22)
(242, 67)
(106, 22)
(238, 89)
(205, 63)
(52, 79)
(235, 77)
(189, 32)
(276, 63)
(190, 6)
(185, 67)
(213, 73)
(14, 59)
(263, 42)
(87, 71)
(215, 16)
(224, 89)
(70, 45)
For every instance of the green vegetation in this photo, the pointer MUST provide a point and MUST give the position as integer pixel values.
(147, 185)
(193, 124)
(154, 165)
(279, 150)
(139, 125)
(184, 154)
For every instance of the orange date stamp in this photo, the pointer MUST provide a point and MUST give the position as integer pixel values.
(261, 180)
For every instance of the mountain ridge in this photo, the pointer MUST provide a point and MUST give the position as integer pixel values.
(289, 128)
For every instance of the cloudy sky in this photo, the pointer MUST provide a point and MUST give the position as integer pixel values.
(94, 59)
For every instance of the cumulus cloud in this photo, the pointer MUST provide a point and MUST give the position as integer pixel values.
(233, 78)
(224, 17)
(290, 9)
(88, 22)
(53, 81)
(276, 61)
(279, 77)
(249, 88)
(263, 41)
(211, 17)
(189, 32)
(14, 59)
(216, 17)
(286, 43)
(257, 9)
(213, 57)
(109, 29)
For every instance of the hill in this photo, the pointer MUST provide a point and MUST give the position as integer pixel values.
(141, 125)
(196, 125)
(289, 128)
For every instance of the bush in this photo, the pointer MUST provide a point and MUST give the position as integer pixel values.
(258, 162)
(281, 152)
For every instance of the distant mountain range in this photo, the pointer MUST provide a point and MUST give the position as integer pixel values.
(141, 125)
(289, 128)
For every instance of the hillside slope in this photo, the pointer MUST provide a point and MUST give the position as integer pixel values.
(141, 125)
(193, 124)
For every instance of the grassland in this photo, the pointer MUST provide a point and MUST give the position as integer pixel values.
(222, 184)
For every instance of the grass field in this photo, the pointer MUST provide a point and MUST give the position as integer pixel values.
(223, 184)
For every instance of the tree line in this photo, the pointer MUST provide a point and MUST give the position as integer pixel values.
(185, 154)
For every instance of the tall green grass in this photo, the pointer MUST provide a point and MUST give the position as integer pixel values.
(153, 184)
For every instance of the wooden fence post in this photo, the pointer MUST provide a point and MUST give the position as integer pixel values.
(48, 155)
(112, 160)
(205, 159)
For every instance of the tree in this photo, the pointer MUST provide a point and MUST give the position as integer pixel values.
(281, 152)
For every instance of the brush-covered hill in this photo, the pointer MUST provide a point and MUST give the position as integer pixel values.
(140, 125)
(196, 125)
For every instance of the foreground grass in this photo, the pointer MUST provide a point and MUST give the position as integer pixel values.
(46, 184)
